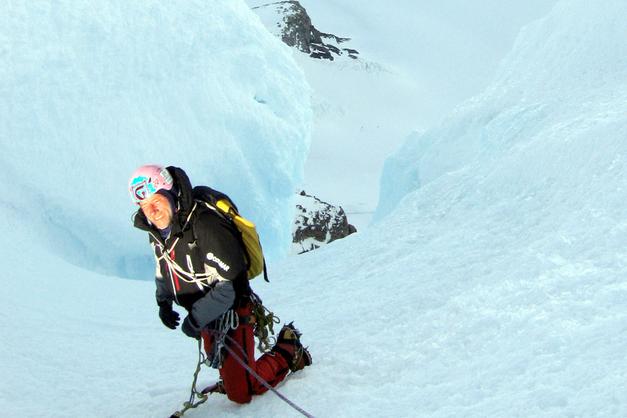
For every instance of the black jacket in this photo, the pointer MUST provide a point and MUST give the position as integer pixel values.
(201, 265)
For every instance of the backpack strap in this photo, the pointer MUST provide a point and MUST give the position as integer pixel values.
(243, 229)
(234, 229)
(265, 271)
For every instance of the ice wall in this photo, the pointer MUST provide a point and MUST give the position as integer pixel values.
(558, 94)
(92, 90)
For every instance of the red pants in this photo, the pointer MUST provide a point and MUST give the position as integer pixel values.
(239, 384)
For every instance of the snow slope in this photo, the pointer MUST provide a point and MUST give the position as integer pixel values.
(496, 288)
(512, 220)
(91, 90)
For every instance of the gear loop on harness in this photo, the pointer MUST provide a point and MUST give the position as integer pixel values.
(219, 328)
(229, 320)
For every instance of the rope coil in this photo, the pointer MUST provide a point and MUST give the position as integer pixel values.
(186, 276)
(202, 397)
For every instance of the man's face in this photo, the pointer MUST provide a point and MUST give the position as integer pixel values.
(158, 210)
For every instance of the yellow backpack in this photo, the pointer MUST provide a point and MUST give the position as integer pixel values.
(247, 230)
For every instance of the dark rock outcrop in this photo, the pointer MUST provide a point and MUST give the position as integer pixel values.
(318, 223)
(297, 30)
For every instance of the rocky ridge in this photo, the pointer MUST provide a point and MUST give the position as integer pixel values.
(290, 20)
(317, 223)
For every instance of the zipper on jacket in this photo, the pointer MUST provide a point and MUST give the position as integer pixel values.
(175, 277)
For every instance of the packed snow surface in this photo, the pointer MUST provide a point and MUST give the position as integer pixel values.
(495, 283)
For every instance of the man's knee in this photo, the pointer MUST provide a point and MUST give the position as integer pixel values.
(239, 397)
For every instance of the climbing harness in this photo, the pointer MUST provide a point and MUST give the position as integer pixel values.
(262, 319)
(228, 321)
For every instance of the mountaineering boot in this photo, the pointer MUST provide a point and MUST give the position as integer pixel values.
(217, 387)
(289, 346)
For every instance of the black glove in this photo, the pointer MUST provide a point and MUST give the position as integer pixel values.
(190, 327)
(169, 317)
